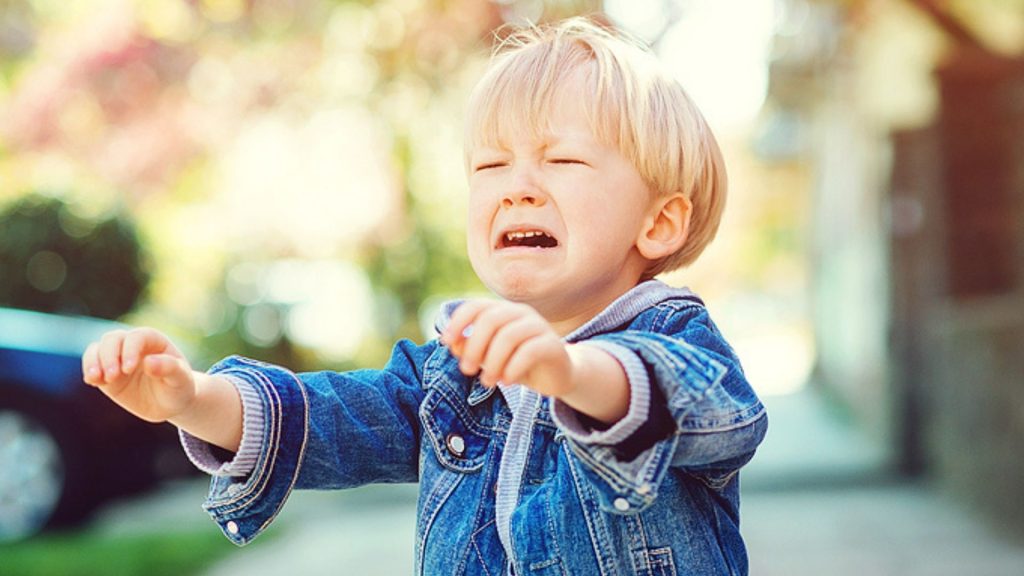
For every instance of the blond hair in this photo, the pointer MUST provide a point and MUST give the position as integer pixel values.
(631, 103)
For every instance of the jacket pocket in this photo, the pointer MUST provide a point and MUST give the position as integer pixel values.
(658, 562)
(458, 440)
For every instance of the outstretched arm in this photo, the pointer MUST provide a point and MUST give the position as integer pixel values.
(142, 371)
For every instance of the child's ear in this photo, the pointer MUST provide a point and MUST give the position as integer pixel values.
(666, 227)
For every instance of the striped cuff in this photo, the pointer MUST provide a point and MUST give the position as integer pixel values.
(202, 454)
(568, 419)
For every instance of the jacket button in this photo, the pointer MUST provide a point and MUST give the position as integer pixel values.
(621, 504)
(456, 445)
(232, 528)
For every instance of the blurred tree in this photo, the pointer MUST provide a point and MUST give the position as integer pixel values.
(54, 260)
(192, 111)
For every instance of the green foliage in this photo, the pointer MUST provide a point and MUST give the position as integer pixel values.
(53, 260)
(163, 554)
(422, 265)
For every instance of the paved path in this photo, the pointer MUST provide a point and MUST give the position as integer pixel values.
(818, 500)
(886, 530)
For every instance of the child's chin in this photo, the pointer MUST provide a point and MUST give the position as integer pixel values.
(519, 286)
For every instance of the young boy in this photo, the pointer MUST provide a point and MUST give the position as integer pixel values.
(590, 420)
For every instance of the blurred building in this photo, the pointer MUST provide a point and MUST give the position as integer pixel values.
(910, 114)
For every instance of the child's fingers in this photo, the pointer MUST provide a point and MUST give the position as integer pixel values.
(110, 354)
(536, 352)
(461, 319)
(167, 368)
(138, 342)
(91, 371)
(503, 345)
(485, 326)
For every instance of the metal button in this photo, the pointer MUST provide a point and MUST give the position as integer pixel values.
(621, 504)
(232, 528)
(456, 445)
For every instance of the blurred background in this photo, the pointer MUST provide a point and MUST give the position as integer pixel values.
(283, 179)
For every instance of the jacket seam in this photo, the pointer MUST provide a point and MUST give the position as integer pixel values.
(588, 514)
(262, 474)
(298, 461)
(743, 422)
(428, 504)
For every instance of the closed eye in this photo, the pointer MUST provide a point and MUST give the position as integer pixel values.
(488, 166)
(567, 161)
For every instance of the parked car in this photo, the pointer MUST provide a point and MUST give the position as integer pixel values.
(65, 448)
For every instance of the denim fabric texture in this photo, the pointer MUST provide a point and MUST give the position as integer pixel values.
(576, 507)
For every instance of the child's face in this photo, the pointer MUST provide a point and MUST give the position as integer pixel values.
(554, 220)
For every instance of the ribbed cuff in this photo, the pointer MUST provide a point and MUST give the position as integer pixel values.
(201, 453)
(568, 419)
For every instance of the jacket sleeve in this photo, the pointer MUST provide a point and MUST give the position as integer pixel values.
(321, 430)
(715, 420)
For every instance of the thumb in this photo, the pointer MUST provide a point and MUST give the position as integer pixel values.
(171, 370)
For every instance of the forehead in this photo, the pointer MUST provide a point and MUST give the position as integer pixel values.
(560, 119)
(521, 101)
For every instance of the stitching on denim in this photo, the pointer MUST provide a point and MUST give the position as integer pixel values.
(276, 422)
(744, 418)
(683, 359)
(259, 476)
(544, 564)
(301, 456)
(447, 484)
(710, 371)
(678, 304)
(637, 543)
(487, 478)
(262, 475)
(655, 461)
(590, 521)
(716, 484)
(641, 530)
(432, 366)
(661, 558)
(717, 373)
(553, 532)
(462, 409)
(479, 556)
(265, 470)
(433, 430)
(472, 540)
(595, 464)
(450, 393)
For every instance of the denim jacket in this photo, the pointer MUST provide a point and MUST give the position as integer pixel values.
(566, 503)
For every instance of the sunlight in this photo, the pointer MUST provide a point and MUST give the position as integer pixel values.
(722, 60)
(316, 186)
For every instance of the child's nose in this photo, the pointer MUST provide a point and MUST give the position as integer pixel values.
(523, 198)
(524, 190)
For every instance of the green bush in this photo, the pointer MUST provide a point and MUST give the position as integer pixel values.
(53, 260)
(87, 554)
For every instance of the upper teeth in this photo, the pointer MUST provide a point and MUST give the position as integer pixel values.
(521, 235)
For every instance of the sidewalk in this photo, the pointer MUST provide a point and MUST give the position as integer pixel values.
(816, 501)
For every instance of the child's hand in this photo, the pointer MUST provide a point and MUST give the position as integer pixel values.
(142, 371)
(510, 343)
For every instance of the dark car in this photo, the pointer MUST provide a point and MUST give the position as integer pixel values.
(64, 447)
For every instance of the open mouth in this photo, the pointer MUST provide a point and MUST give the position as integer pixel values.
(527, 239)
